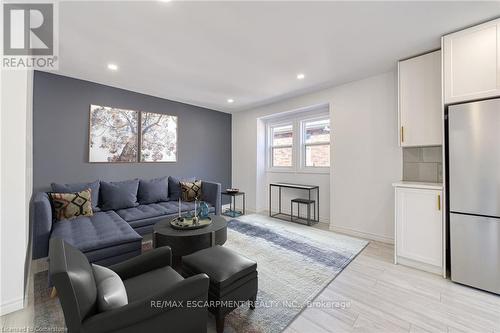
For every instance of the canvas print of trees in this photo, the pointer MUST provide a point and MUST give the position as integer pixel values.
(113, 135)
(158, 137)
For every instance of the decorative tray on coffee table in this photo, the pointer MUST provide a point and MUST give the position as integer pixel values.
(190, 223)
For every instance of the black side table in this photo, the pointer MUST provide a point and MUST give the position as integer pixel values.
(232, 212)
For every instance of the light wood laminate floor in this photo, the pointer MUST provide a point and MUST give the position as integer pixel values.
(385, 297)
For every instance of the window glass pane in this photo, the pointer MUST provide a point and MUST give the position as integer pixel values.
(282, 135)
(317, 131)
(282, 157)
(318, 156)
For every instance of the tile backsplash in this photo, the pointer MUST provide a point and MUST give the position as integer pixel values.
(423, 164)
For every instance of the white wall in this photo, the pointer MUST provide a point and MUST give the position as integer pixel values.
(366, 157)
(15, 185)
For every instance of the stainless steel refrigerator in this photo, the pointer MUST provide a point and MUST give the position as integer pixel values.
(474, 193)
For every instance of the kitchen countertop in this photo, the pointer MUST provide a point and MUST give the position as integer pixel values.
(429, 186)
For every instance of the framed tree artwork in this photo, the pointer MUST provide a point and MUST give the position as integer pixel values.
(158, 137)
(113, 135)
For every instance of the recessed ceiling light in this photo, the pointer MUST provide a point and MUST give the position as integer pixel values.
(230, 100)
(113, 67)
(300, 76)
(165, 0)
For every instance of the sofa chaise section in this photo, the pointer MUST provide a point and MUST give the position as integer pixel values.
(105, 238)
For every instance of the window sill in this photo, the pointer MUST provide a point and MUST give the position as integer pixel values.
(300, 171)
(277, 170)
(317, 171)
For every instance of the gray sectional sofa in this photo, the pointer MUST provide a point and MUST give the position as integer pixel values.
(110, 236)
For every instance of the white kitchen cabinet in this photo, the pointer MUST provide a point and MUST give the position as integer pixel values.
(420, 106)
(419, 226)
(472, 63)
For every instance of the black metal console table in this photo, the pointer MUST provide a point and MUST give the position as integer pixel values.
(284, 216)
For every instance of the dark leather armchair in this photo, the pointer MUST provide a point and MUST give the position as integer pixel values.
(157, 295)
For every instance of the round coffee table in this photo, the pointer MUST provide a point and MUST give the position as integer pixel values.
(184, 242)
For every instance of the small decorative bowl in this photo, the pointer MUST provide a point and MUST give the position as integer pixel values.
(232, 190)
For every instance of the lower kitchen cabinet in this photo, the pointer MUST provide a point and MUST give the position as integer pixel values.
(419, 228)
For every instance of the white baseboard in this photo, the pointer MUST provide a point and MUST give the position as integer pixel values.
(322, 219)
(11, 306)
(247, 209)
(419, 265)
(362, 234)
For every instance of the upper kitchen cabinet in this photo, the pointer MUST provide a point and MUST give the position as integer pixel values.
(420, 107)
(472, 63)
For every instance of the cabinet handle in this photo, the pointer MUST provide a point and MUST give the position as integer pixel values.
(439, 201)
(402, 134)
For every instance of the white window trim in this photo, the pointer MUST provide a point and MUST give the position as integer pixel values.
(303, 145)
(269, 146)
(298, 144)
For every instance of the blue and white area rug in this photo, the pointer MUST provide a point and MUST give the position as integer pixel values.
(294, 262)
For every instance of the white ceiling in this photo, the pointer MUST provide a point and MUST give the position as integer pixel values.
(203, 53)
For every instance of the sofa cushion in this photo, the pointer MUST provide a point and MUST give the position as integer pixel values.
(141, 216)
(102, 230)
(145, 226)
(142, 212)
(71, 205)
(116, 253)
(118, 195)
(172, 207)
(151, 283)
(174, 186)
(111, 292)
(152, 190)
(77, 187)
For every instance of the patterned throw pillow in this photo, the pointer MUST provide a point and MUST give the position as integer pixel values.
(191, 190)
(71, 205)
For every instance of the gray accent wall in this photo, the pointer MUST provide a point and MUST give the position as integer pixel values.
(61, 126)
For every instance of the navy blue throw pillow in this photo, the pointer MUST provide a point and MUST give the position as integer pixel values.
(78, 187)
(152, 190)
(119, 195)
